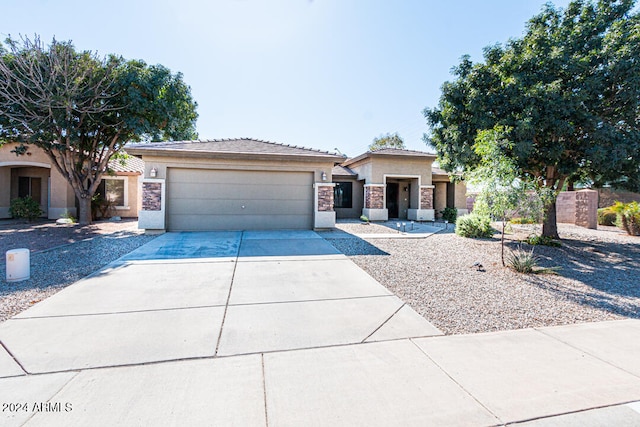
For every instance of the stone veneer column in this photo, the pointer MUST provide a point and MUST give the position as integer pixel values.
(325, 198)
(425, 211)
(324, 216)
(374, 196)
(151, 196)
(426, 197)
(152, 213)
(374, 207)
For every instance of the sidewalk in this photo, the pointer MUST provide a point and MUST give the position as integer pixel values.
(281, 329)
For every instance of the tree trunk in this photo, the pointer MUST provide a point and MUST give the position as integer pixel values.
(549, 224)
(84, 215)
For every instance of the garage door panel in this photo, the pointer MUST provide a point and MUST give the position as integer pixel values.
(235, 207)
(233, 177)
(236, 222)
(237, 192)
(208, 199)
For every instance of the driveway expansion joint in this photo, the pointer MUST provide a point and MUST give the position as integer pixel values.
(115, 313)
(33, 414)
(242, 304)
(500, 421)
(587, 353)
(383, 323)
(207, 357)
(264, 391)
(559, 414)
(15, 359)
(226, 306)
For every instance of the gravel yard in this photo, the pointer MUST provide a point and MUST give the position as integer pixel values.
(60, 255)
(599, 277)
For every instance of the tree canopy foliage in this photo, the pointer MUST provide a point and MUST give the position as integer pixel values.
(568, 92)
(387, 141)
(82, 109)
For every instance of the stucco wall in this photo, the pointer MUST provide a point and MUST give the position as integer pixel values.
(440, 197)
(587, 209)
(34, 163)
(608, 196)
(5, 179)
(315, 168)
(578, 207)
(31, 172)
(161, 164)
(566, 207)
(374, 169)
(33, 155)
(133, 197)
(364, 172)
(461, 195)
(61, 197)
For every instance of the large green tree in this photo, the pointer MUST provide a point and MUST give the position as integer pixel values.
(82, 109)
(569, 93)
(387, 141)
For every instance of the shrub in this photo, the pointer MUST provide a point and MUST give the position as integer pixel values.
(364, 219)
(449, 214)
(522, 261)
(25, 208)
(474, 225)
(628, 216)
(606, 216)
(535, 240)
(522, 221)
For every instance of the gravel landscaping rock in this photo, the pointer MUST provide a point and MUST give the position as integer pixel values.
(599, 277)
(61, 255)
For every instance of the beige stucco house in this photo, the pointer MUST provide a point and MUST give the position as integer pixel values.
(394, 183)
(245, 184)
(31, 174)
(240, 184)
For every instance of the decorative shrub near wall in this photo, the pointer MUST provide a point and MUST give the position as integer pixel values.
(606, 217)
(474, 225)
(628, 216)
(25, 208)
(449, 214)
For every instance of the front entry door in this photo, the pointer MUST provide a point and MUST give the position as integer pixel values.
(392, 199)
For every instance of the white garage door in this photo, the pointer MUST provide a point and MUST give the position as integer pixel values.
(204, 199)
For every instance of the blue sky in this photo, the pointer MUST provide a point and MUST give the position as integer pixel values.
(323, 74)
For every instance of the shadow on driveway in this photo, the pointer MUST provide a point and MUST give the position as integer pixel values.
(232, 244)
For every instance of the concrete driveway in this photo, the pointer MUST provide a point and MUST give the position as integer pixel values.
(278, 328)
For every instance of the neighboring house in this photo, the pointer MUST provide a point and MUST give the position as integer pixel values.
(245, 184)
(31, 174)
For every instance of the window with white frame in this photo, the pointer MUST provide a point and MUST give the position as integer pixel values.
(115, 190)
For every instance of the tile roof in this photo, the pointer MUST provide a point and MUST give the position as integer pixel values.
(390, 152)
(340, 170)
(401, 152)
(231, 146)
(437, 171)
(129, 164)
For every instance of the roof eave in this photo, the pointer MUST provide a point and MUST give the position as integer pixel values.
(168, 152)
(371, 154)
